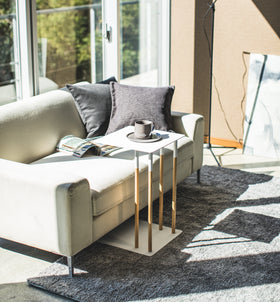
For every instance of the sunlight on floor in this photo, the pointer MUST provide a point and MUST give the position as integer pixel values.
(234, 233)
(256, 190)
(221, 239)
(248, 293)
(16, 267)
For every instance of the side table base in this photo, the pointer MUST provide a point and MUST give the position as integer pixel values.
(123, 237)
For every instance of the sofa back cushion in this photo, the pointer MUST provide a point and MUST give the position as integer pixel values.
(94, 105)
(30, 129)
(132, 103)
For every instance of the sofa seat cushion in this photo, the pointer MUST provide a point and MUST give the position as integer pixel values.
(111, 178)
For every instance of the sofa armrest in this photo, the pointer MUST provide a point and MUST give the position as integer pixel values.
(45, 208)
(192, 125)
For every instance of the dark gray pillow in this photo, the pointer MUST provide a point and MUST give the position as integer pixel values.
(108, 81)
(94, 104)
(131, 103)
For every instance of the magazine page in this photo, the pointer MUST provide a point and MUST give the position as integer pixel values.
(104, 149)
(78, 146)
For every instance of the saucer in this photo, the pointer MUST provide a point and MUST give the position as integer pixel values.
(153, 138)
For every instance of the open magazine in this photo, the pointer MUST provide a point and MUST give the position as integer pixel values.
(79, 146)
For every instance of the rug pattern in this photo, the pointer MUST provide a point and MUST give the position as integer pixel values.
(230, 242)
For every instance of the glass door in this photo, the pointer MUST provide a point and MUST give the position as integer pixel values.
(69, 37)
(9, 70)
(136, 41)
(111, 38)
(47, 44)
(145, 42)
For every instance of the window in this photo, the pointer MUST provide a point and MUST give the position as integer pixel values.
(69, 42)
(144, 42)
(46, 44)
(8, 52)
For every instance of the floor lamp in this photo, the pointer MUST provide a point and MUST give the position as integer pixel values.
(211, 8)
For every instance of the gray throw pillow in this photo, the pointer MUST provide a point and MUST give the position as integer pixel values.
(107, 81)
(93, 101)
(131, 103)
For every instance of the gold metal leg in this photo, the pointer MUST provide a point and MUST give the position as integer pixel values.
(160, 190)
(136, 199)
(150, 203)
(174, 188)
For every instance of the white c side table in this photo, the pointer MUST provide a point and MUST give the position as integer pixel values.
(119, 139)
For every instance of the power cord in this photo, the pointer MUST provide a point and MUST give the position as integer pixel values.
(244, 88)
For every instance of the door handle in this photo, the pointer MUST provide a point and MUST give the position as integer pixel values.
(108, 33)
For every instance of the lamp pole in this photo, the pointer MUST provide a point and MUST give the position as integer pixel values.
(211, 7)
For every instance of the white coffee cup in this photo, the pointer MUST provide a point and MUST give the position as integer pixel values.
(143, 129)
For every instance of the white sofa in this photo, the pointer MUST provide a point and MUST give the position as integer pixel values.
(61, 203)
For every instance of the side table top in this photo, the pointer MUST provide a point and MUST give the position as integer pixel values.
(119, 139)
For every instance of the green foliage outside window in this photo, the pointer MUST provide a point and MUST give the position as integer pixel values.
(68, 40)
(130, 39)
(6, 42)
(67, 37)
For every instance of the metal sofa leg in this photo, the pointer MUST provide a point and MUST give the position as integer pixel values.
(198, 176)
(70, 262)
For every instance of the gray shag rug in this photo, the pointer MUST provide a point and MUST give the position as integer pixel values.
(229, 249)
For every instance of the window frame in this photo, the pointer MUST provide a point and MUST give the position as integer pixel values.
(28, 50)
(26, 46)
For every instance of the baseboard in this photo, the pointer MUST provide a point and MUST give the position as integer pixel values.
(224, 142)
